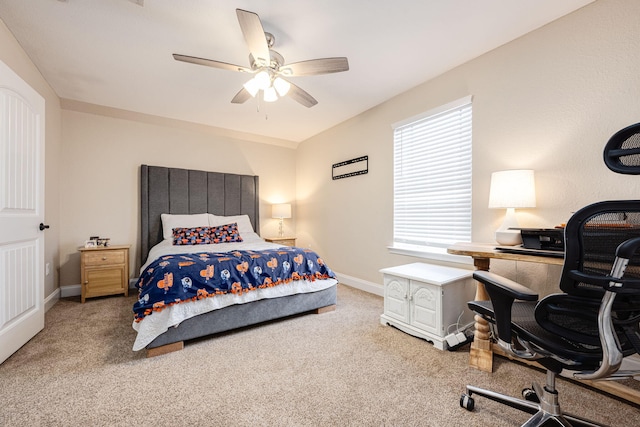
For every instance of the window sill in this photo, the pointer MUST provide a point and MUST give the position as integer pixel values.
(437, 254)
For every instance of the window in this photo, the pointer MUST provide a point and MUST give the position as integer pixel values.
(432, 179)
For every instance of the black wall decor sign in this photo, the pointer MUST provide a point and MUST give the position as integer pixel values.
(353, 167)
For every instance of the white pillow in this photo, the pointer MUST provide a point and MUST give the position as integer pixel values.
(250, 237)
(244, 225)
(171, 221)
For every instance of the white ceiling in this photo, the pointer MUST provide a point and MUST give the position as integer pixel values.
(117, 53)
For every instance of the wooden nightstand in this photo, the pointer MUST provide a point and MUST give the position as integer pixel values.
(286, 241)
(104, 271)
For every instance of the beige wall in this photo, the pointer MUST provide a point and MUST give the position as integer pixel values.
(12, 54)
(548, 101)
(100, 179)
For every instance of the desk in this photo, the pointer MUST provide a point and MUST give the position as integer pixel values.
(481, 353)
(482, 349)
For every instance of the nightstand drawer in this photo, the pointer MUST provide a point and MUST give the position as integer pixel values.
(104, 257)
(285, 241)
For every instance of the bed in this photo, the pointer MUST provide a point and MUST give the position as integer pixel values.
(205, 269)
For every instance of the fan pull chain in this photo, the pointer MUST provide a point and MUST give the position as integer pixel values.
(260, 103)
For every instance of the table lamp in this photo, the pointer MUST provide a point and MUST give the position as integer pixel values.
(281, 211)
(510, 190)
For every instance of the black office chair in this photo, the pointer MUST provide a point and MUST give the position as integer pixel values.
(595, 323)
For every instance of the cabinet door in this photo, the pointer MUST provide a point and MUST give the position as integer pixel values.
(396, 303)
(104, 280)
(425, 307)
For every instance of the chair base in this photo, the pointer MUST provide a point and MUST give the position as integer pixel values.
(545, 413)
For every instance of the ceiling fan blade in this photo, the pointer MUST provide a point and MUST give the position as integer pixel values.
(254, 36)
(314, 67)
(301, 96)
(210, 63)
(241, 97)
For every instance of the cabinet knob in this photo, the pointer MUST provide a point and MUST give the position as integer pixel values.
(104, 258)
(86, 282)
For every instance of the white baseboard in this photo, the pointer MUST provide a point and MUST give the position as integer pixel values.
(51, 299)
(363, 285)
(70, 291)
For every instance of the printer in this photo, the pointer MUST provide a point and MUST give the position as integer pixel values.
(547, 239)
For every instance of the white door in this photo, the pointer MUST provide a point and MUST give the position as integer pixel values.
(21, 212)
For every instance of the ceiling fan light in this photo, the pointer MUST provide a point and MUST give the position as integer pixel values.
(282, 86)
(252, 87)
(270, 95)
(263, 80)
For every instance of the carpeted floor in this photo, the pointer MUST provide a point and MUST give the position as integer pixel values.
(341, 368)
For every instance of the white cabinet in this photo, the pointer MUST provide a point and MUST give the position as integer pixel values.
(425, 300)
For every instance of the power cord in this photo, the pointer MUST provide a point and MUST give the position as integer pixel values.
(460, 337)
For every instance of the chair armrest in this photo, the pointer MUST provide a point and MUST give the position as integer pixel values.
(628, 248)
(503, 292)
(609, 283)
(506, 286)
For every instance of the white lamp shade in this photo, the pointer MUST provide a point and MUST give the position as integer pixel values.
(282, 86)
(512, 189)
(263, 80)
(282, 210)
(252, 87)
(270, 94)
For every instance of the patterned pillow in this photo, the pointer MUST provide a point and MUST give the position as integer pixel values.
(226, 233)
(206, 235)
(192, 236)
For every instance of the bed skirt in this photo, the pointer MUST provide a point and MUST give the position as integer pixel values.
(241, 315)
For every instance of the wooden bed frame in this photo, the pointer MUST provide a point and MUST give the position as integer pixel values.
(183, 191)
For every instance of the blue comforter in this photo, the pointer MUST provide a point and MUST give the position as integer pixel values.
(175, 279)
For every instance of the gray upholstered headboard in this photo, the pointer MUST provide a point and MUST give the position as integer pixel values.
(185, 191)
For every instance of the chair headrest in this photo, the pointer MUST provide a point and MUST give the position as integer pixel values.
(622, 152)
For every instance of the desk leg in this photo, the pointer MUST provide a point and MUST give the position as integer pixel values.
(480, 354)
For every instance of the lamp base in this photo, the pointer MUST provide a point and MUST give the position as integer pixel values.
(509, 232)
(508, 237)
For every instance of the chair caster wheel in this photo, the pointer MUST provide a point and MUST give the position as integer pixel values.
(467, 402)
(530, 395)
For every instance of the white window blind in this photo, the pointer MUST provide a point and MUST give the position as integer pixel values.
(432, 177)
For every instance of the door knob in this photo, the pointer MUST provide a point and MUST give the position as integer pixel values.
(43, 226)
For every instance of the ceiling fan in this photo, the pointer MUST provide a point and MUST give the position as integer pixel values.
(268, 66)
